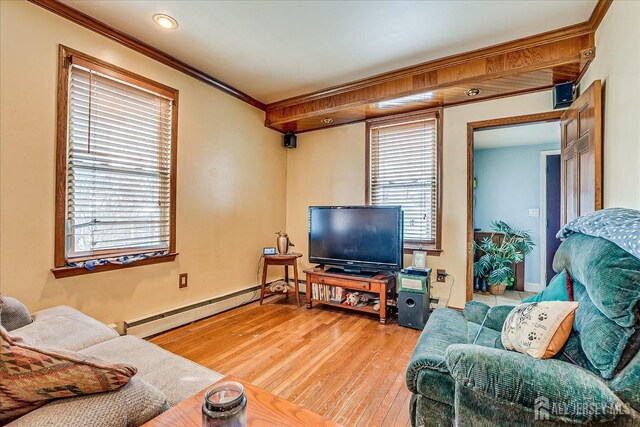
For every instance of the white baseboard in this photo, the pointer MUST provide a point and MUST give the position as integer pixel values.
(533, 287)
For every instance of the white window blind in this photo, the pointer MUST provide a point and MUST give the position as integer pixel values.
(403, 171)
(118, 169)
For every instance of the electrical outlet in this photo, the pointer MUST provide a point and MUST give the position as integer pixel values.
(441, 275)
(183, 280)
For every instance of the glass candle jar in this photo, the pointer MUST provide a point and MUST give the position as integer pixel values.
(224, 406)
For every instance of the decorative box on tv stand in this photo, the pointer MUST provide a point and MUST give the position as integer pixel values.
(414, 280)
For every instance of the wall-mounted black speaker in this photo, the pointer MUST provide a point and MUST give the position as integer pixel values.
(562, 95)
(290, 140)
(413, 309)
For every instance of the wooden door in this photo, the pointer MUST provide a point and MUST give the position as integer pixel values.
(581, 144)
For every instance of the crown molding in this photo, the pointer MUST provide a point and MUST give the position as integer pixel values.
(139, 46)
(598, 13)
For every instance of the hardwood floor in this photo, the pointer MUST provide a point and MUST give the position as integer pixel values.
(342, 365)
(510, 297)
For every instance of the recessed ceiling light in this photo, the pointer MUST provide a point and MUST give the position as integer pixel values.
(326, 120)
(472, 92)
(399, 102)
(165, 21)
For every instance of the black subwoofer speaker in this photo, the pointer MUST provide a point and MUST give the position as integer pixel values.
(562, 95)
(290, 140)
(413, 309)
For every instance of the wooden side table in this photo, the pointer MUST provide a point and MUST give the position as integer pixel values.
(285, 260)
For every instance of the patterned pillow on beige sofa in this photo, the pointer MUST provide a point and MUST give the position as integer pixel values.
(13, 313)
(31, 376)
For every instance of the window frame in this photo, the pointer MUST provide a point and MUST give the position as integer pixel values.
(67, 56)
(409, 246)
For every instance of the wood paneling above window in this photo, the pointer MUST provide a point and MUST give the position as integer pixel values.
(514, 68)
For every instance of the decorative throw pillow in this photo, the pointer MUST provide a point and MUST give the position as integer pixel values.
(560, 289)
(31, 377)
(538, 329)
(13, 313)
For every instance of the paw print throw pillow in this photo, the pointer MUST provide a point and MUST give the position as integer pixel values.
(539, 329)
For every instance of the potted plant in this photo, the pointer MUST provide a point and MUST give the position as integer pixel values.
(499, 259)
(479, 278)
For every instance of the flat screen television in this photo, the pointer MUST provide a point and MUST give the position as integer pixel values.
(356, 238)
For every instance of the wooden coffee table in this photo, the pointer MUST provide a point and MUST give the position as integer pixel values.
(263, 409)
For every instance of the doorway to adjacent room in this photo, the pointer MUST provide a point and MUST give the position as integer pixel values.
(514, 166)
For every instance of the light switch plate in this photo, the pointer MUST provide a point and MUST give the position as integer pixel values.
(534, 213)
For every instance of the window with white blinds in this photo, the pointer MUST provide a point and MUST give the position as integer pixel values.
(403, 170)
(118, 164)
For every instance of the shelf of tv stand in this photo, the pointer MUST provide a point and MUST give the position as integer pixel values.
(382, 284)
(366, 308)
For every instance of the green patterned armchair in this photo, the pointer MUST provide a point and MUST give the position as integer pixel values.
(594, 379)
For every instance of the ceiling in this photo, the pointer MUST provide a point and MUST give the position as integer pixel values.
(273, 50)
(515, 136)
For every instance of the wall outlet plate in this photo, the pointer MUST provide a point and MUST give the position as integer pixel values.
(182, 283)
(441, 275)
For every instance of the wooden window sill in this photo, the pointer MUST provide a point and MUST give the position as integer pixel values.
(62, 272)
(431, 251)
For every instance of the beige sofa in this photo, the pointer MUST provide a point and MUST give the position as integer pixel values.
(163, 378)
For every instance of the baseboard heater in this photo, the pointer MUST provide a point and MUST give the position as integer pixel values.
(153, 324)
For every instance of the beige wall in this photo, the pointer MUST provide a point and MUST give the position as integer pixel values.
(231, 180)
(328, 168)
(617, 64)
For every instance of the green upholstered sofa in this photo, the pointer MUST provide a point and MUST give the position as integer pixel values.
(595, 379)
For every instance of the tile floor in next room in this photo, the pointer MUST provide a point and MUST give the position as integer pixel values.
(509, 298)
(340, 364)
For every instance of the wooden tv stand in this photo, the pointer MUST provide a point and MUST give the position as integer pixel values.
(383, 284)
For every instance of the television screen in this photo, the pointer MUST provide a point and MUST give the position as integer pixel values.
(356, 237)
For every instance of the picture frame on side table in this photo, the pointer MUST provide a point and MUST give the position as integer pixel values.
(419, 260)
